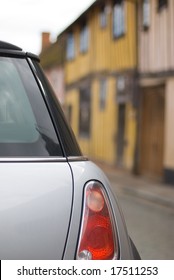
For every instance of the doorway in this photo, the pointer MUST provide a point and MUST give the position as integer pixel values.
(152, 131)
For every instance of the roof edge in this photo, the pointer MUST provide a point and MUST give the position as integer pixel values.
(95, 3)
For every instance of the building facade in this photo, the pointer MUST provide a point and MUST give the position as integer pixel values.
(119, 81)
(156, 68)
(52, 60)
(101, 80)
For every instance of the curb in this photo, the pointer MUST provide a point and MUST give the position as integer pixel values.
(152, 197)
(156, 193)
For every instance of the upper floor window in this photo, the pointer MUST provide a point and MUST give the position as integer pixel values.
(103, 17)
(103, 93)
(84, 38)
(118, 18)
(70, 47)
(162, 3)
(146, 14)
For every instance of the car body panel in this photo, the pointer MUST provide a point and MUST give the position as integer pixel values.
(35, 209)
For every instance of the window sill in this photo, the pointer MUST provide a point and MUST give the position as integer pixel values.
(70, 59)
(117, 37)
(83, 52)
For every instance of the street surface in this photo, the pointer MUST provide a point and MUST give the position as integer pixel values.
(150, 225)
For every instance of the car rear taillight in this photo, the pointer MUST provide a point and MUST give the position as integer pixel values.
(98, 237)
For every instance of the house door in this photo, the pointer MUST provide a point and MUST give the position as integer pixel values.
(120, 134)
(152, 132)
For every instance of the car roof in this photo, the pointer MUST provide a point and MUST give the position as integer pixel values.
(8, 46)
(9, 49)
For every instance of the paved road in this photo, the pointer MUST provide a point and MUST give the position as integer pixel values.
(150, 225)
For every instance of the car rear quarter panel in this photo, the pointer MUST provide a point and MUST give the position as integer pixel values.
(82, 173)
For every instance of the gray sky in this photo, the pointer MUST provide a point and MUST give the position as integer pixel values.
(23, 21)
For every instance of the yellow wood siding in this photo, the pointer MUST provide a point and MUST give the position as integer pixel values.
(105, 53)
(123, 50)
(79, 66)
(169, 132)
(130, 136)
(103, 126)
(101, 55)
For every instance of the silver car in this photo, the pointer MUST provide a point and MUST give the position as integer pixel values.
(54, 202)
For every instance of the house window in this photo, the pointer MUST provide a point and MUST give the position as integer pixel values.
(118, 18)
(84, 113)
(162, 3)
(146, 14)
(103, 17)
(70, 47)
(84, 38)
(103, 93)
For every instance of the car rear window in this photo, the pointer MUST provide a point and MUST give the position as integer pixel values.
(26, 128)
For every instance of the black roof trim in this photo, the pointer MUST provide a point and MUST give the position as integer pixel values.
(7, 49)
(8, 46)
(12, 53)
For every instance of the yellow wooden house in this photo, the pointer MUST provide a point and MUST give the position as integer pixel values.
(101, 81)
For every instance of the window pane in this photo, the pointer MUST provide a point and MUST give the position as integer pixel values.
(84, 38)
(70, 50)
(103, 17)
(103, 92)
(17, 122)
(146, 13)
(118, 19)
(25, 126)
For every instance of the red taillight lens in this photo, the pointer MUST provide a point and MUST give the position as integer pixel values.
(97, 238)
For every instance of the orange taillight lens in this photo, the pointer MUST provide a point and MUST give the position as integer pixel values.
(97, 238)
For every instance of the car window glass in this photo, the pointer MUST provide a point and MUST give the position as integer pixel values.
(17, 121)
(25, 125)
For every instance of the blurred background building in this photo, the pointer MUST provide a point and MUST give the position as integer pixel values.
(113, 72)
(53, 62)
